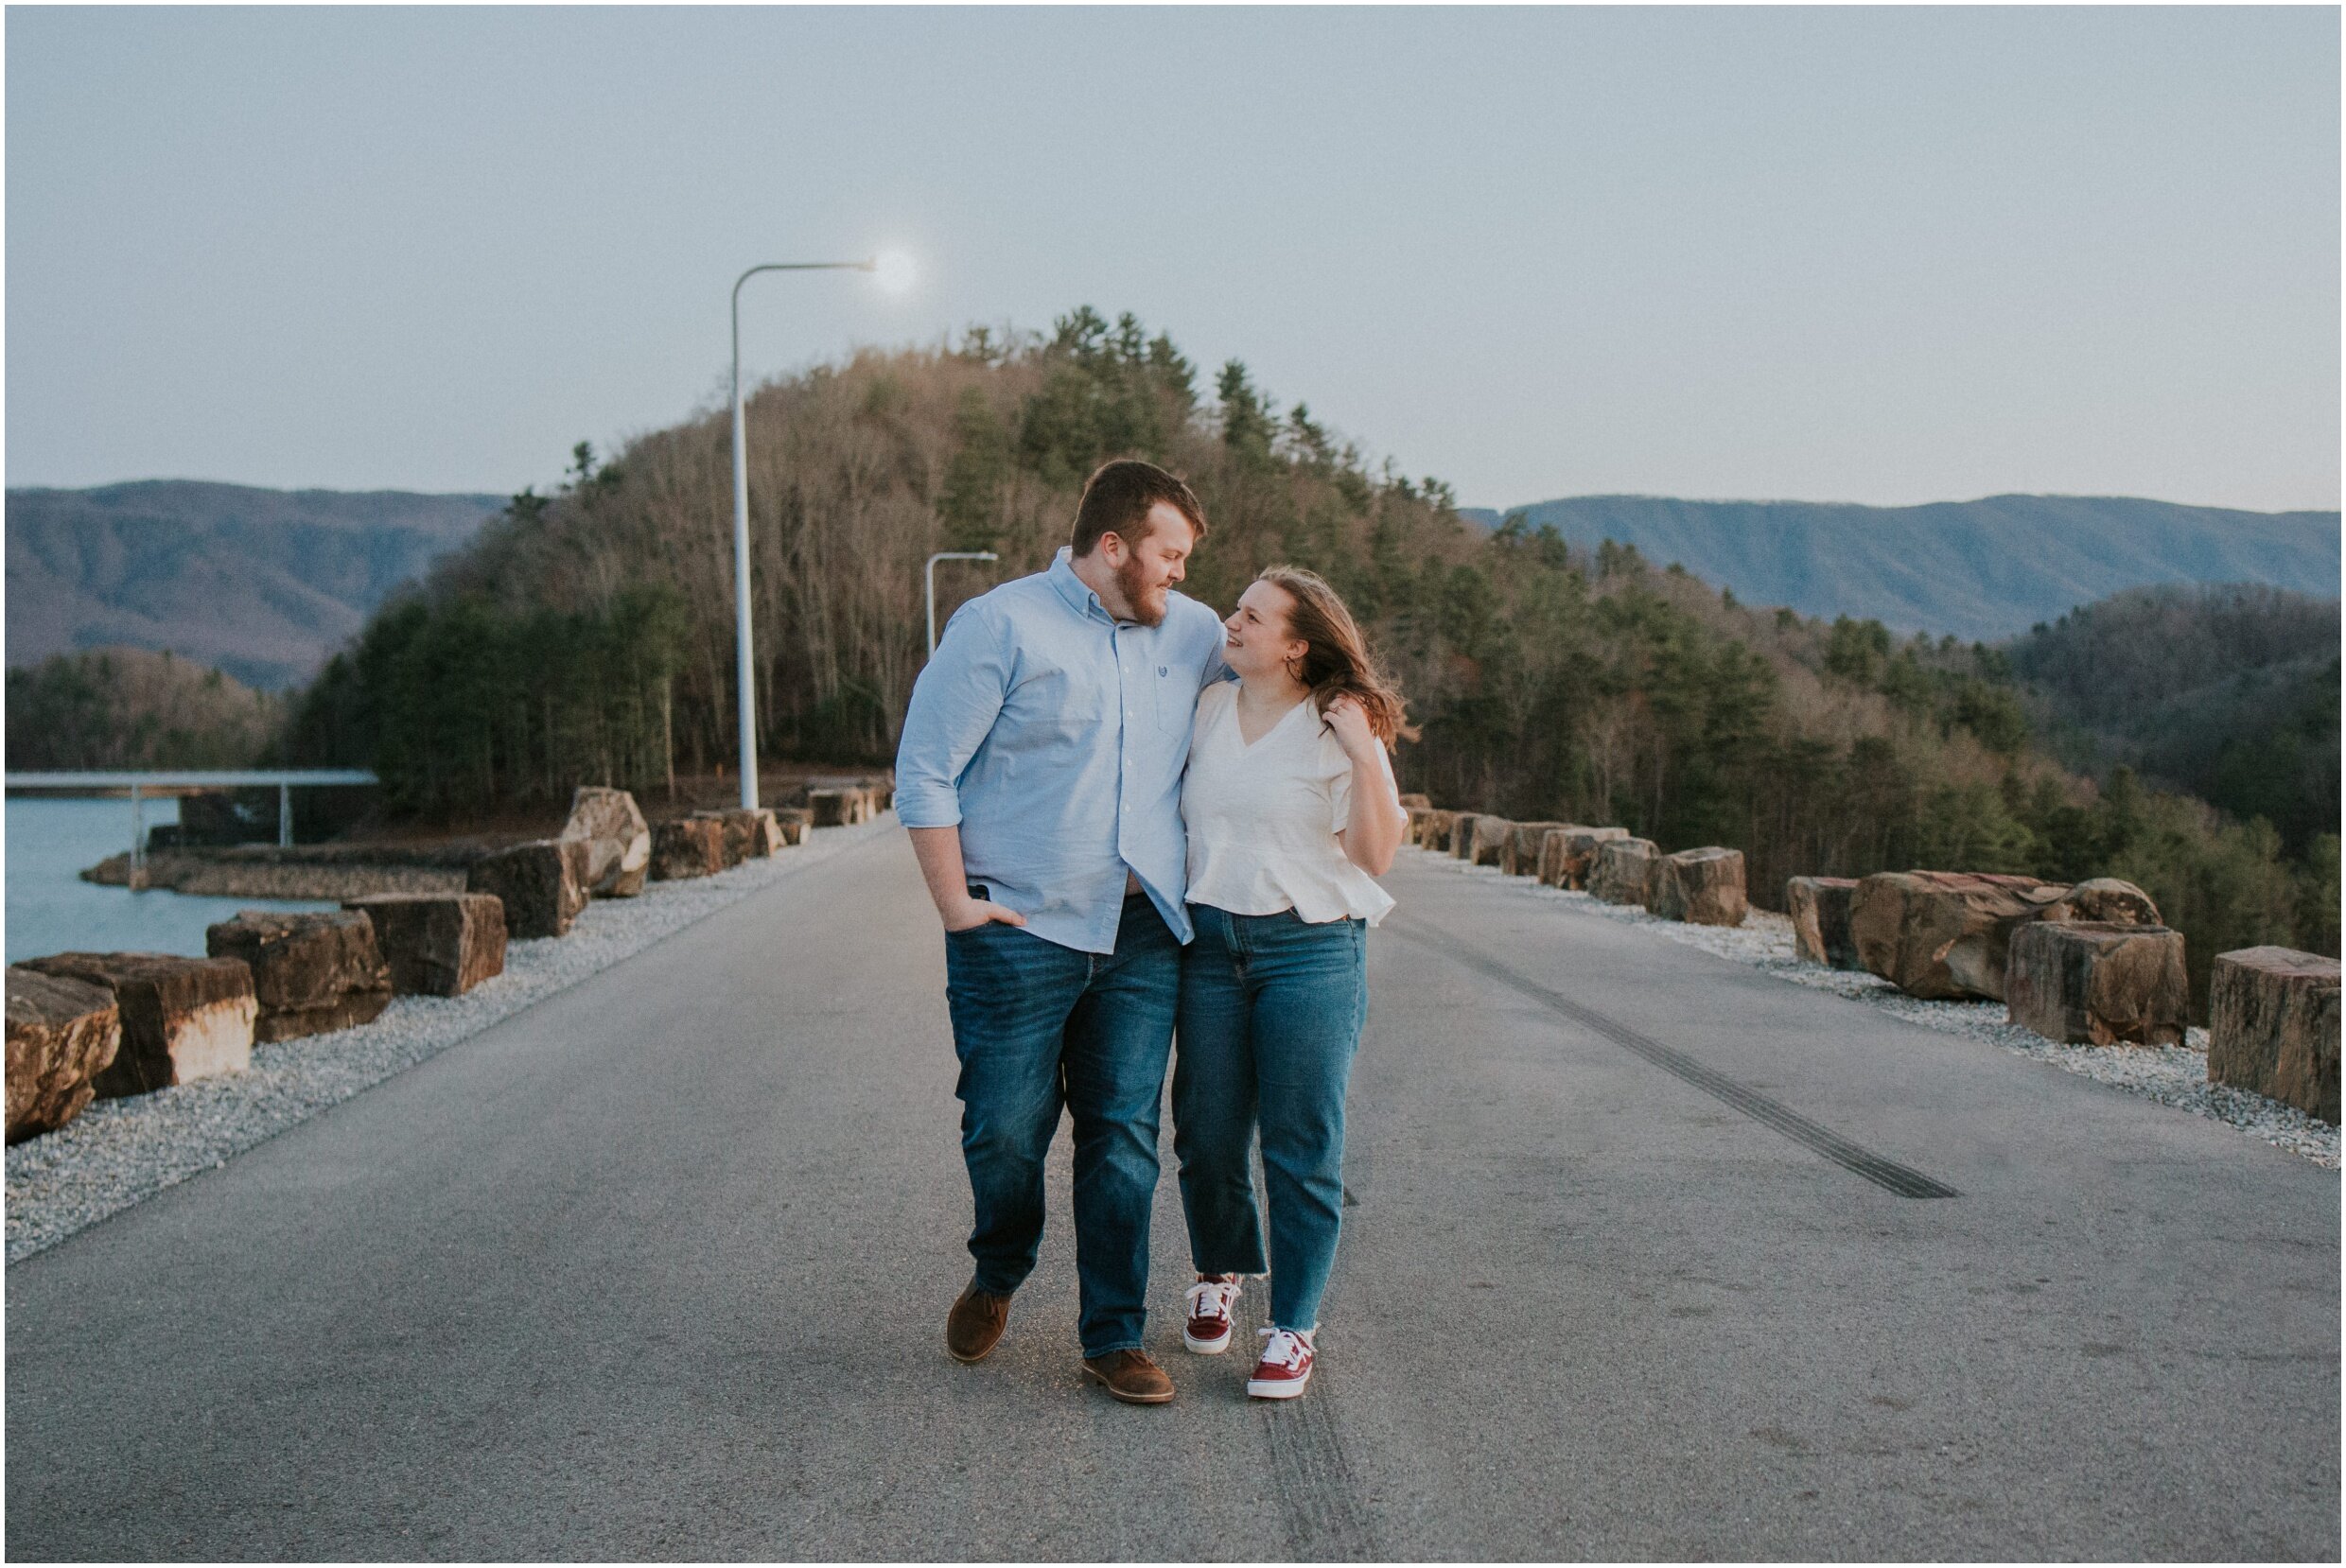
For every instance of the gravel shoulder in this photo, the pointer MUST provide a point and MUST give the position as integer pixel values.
(2172, 1075)
(119, 1152)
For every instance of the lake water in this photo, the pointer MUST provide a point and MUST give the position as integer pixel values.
(50, 909)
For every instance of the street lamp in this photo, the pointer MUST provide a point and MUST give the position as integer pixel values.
(929, 572)
(895, 271)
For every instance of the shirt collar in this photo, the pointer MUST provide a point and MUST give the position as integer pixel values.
(1071, 588)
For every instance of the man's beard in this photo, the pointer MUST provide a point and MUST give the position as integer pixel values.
(1142, 603)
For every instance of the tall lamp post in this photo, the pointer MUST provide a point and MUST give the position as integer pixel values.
(892, 269)
(929, 572)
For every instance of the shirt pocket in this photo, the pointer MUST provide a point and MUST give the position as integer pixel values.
(1050, 701)
(1176, 692)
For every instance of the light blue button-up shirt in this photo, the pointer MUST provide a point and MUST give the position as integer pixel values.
(1055, 738)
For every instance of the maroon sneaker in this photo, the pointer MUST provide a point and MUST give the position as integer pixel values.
(1286, 1366)
(1209, 1299)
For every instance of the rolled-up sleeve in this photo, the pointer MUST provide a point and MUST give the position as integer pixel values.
(954, 705)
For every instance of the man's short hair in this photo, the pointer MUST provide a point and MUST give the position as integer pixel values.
(1119, 498)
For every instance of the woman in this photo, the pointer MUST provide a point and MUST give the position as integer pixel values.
(1292, 811)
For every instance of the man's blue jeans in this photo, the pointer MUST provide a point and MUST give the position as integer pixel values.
(1038, 1026)
(1271, 1012)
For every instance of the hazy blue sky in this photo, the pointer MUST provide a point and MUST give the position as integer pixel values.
(1884, 256)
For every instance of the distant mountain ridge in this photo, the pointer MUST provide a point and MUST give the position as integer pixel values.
(1983, 570)
(264, 583)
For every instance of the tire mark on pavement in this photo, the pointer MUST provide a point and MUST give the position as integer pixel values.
(1885, 1173)
(1327, 1518)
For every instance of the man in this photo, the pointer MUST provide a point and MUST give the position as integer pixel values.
(1040, 774)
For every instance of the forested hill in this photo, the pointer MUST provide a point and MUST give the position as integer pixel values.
(263, 584)
(2229, 692)
(1981, 570)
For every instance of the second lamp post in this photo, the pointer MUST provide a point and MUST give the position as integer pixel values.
(928, 573)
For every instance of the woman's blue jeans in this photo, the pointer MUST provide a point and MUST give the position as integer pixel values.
(1039, 1026)
(1271, 1011)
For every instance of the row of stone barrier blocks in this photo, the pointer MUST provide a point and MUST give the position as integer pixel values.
(706, 842)
(1702, 887)
(2091, 963)
(82, 1026)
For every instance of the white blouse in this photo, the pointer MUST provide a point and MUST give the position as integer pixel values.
(1263, 818)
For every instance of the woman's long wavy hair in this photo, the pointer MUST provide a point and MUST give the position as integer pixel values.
(1336, 662)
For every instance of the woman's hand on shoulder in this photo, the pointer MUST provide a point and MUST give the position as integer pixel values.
(1350, 722)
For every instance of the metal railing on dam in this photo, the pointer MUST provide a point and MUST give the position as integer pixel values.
(139, 781)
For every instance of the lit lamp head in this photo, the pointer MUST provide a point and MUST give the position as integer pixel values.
(892, 270)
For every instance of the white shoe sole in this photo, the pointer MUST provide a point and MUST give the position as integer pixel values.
(1207, 1346)
(1284, 1388)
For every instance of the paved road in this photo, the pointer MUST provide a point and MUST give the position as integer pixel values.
(659, 1268)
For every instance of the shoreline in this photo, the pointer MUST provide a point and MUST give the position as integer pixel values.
(329, 872)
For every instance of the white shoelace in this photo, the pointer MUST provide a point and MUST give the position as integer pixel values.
(1286, 1348)
(1220, 1291)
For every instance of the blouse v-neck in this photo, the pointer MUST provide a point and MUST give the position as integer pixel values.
(1237, 721)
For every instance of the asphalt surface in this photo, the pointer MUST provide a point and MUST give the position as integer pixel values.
(660, 1267)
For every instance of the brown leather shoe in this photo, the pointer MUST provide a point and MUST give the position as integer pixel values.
(1130, 1376)
(974, 1326)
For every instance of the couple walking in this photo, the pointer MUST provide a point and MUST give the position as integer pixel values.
(1133, 817)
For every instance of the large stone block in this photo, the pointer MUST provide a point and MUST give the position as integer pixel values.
(1416, 803)
(1490, 840)
(687, 846)
(1549, 869)
(182, 1019)
(1944, 934)
(1462, 835)
(1623, 872)
(1575, 853)
(61, 1034)
(1520, 856)
(2273, 1026)
(840, 808)
(789, 822)
(761, 833)
(1701, 887)
(749, 833)
(867, 794)
(1941, 934)
(732, 846)
(438, 945)
(1819, 907)
(542, 885)
(1433, 830)
(2098, 983)
(311, 973)
(621, 841)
